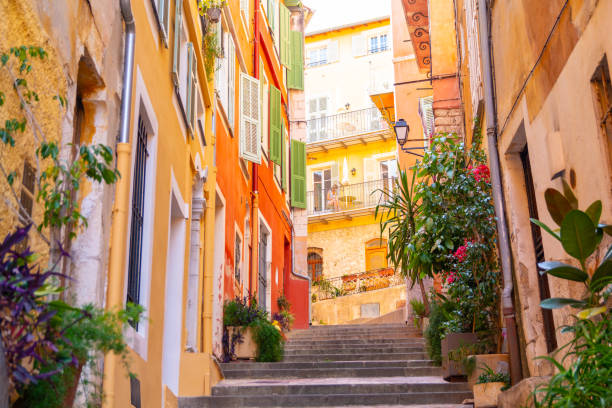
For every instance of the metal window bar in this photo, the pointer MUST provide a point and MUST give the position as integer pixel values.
(345, 124)
(538, 247)
(329, 288)
(136, 229)
(348, 197)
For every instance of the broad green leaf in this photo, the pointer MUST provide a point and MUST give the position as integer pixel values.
(578, 235)
(594, 211)
(564, 271)
(557, 303)
(546, 228)
(602, 276)
(558, 206)
(594, 311)
(569, 194)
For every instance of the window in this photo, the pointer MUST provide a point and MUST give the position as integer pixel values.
(226, 77)
(388, 174)
(298, 174)
(137, 219)
(162, 13)
(263, 266)
(201, 115)
(295, 75)
(376, 254)
(322, 183)
(237, 259)
(317, 115)
(315, 266)
(26, 199)
(378, 43)
(317, 56)
(264, 91)
(427, 118)
(245, 12)
(275, 124)
(602, 89)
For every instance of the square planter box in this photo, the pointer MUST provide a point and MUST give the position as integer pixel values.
(454, 341)
(496, 362)
(485, 395)
(247, 349)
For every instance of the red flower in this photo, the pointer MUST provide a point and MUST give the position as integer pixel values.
(461, 253)
(481, 173)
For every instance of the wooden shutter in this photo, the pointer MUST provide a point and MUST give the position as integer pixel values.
(283, 157)
(285, 21)
(359, 45)
(192, 87)
(295, 78)
(275, 124)
(250, 143)
(178, 21)
(298, 174)
(231, 82)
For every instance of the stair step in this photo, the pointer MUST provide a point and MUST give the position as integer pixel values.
(410, 399)
(340, 350)
(380, 385)
(334, 372)
(356, 342)
(324, 364)
(355, 356)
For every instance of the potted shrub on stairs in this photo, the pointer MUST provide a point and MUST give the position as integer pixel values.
(488, 387)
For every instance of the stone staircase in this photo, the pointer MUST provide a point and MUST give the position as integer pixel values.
(333, 366)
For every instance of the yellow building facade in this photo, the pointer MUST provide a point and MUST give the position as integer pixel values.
(351, 160)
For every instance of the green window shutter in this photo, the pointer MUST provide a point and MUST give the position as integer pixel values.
(285, 21)
(295, 75)
(178, 21)
(298, 174)
(275, 125)
(283, 158)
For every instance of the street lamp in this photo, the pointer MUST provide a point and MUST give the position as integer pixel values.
(401, 130)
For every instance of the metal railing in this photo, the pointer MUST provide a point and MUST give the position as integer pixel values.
(348, 197)
(345, 124)
(356, 283)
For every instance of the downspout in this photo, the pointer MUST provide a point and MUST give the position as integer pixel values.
(498, 197)
(114, 296)
(255, 186)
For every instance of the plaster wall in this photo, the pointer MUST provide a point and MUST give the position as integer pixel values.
(563, 134)
(354, 77)
(343, 309)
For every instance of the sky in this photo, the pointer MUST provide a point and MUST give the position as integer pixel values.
(331, 13)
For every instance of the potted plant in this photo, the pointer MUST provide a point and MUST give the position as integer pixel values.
(488, 387)
(212, 8)
(418, 311)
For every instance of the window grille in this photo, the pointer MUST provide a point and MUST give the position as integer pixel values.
(138, 202)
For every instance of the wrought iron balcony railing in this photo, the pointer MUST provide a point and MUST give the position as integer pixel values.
(345, 124)
(348, 197)
(357, 283)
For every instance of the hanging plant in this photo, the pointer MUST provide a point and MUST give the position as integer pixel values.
(212, 9)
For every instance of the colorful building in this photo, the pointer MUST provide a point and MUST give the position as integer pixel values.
(351, 159)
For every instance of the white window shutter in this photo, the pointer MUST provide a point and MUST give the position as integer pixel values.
(250, 140)
(359, 45)
(163, 15)
(192, 87)
(332, 51)
(178, 21)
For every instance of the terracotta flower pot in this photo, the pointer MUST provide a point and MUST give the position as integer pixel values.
(485, 395)
(214, 13)
(247, 349)
(452, 342)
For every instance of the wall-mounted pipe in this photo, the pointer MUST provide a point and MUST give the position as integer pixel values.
(498, 197)
(114, 294)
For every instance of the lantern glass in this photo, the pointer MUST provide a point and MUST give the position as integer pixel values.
(401, 129)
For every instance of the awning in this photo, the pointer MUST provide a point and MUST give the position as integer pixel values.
(385, 102)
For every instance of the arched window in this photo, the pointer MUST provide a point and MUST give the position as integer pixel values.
(376, 254)
(315, 265)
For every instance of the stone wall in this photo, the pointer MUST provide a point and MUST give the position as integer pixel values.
(343, 249)
(448, 120)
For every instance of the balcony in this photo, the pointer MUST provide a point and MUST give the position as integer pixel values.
(328, 128)
(324, 202)
(331, 288)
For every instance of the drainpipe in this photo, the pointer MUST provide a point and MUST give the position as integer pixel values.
(114, 296)
(498, 198)
(255, 186)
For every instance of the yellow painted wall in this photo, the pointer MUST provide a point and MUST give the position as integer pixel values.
(346, 308)
(350, 75)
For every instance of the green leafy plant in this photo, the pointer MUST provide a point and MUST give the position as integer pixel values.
(398, 212)
(270, 342)
(490, 376)
(584, 372)
(212, 51)
(418, 309)
(438, 314)
(204, 5)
